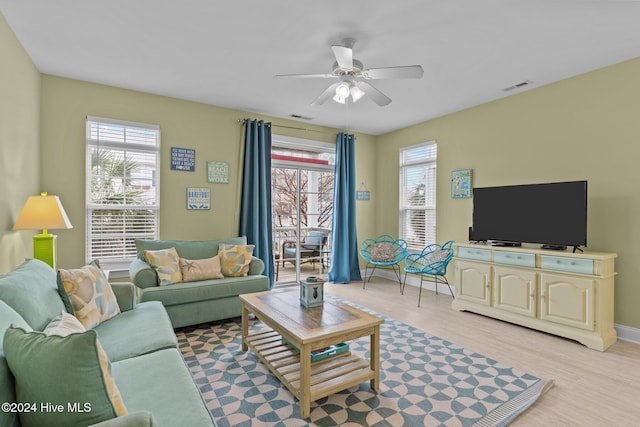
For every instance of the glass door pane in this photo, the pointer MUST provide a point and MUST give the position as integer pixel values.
(302, 202)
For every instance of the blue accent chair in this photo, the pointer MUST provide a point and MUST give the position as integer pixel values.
(431, 262)
(383, 251)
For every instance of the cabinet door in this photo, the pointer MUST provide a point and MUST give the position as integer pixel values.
(473, 281)
(514, 290)
(568, 300)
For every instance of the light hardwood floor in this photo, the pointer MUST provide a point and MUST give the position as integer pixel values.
(591, 388)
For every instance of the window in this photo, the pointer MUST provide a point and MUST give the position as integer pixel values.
(418, 195)
(122, 189)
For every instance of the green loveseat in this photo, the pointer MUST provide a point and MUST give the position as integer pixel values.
(149, 371)
(202, 301)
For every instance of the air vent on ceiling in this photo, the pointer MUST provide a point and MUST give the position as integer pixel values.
(517, 85)
(299, 117)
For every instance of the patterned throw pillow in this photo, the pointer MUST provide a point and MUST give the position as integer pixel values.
(235, 259)
(166, 263)
(64, 325)
(438, 255)
(382, 252)
(200, 269)
(90, 294)
(45, 367)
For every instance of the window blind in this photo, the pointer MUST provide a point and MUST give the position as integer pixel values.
(418, 195)
(122, 189)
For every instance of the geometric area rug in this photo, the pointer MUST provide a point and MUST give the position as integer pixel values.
(424, 381)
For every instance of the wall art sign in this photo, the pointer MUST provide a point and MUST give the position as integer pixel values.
(218, 172)
(183, 159)
(198, 198)
(363, 195)
(461, 184)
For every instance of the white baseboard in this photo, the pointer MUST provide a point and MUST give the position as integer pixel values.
(411, 280)
(625, 333)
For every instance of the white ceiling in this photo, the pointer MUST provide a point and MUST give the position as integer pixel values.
(226, 52)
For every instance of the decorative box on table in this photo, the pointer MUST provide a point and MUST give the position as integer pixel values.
(311, 292)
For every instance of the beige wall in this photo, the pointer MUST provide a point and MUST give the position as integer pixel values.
(213, 132)
(19, 144)
(587, 127)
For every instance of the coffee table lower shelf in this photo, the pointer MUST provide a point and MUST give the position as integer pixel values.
(327, 376)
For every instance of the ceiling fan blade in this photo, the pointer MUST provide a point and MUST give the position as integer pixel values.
(328, 93)
(305, 76)
(403, 72)
(378, 97)
(344, 56)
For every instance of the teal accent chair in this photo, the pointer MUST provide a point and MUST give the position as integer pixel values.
(383, 251)
(431, 262)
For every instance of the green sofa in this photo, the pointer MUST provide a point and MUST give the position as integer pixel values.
(149, 371)
(202, 301)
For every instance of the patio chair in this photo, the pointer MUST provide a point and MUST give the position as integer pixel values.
(383, 251)
(311, 248)
(431, 262)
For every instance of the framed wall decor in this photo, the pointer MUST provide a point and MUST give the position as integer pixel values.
(198, 198)
(461, 184)
(183, 159)
(218, 172)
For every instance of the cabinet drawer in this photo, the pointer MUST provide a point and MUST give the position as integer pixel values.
(477, 254)
(572, 265)
(514, 258)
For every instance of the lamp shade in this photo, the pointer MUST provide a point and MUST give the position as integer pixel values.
(42, 212)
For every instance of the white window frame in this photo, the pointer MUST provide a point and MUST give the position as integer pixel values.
(413, 158)
(120, 259)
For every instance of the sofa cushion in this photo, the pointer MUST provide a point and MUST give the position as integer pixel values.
(166, 263)
(31, 290)
(143, 330)
(175, 400)
(190, 249)
(200, 269)
(44, 367)
(188, 292)
(90, 294)
(235, 259)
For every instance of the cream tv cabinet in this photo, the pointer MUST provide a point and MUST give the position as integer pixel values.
(559, 292)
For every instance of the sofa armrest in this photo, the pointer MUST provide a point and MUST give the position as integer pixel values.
(134, 419)
(142, 275)
(125, 294)
(256, 266)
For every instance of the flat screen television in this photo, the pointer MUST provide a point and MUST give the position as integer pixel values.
(552, 214)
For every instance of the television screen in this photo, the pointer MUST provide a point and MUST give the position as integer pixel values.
(553, 214)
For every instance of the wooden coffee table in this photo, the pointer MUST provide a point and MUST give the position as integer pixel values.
(310, 329)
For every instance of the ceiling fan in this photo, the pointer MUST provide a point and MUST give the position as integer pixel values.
(352, 78)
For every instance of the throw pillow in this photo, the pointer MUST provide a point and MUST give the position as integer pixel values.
(438, 255)
(64, 325)
(200, 269)
(166, 263)
(62, 371)
(90, 294)
(382, 252)
(235, 259)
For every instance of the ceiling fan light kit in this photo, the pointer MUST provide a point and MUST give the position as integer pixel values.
(351, 75)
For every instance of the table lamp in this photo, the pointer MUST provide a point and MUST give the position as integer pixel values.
(43, 212)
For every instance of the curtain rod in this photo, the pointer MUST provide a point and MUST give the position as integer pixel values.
(289, 127)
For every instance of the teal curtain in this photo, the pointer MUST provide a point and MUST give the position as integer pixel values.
(255, 204)
(344, 242)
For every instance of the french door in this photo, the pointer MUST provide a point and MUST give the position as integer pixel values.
(302, 211)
